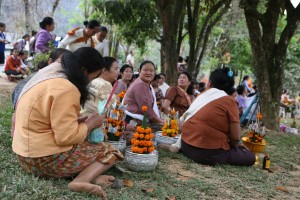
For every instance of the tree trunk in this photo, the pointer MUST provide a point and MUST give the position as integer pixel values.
(180, 33)
(116, 48)
(170, 12)
(27, 16)
(193, 16)
(198, 42)
(54, 6)
(269, 56)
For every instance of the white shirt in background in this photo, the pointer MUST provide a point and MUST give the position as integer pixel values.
(130, 59)
(164, 87)
(103, 48)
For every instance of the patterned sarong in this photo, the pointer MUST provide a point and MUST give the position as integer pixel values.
(70, 163)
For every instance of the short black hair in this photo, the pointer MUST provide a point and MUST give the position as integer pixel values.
(103, 29)
(163, 74)
(231, 91)
(108, 61)
(240, 89)
(190, 89)
(124, 67)
(156, 77)
(146, 62)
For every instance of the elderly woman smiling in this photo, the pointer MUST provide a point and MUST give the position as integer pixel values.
(141, 93)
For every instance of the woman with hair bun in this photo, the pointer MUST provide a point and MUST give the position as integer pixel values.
(81, 37)
(50, 137)
(179, 97)
(126, 73)
(44, 37)
(101, 87)
(211, 129)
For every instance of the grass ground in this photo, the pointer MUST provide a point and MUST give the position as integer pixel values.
(175, 177)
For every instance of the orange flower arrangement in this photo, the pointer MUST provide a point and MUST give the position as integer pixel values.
(114, 128)
(170, 128)
(142, 139)
(255, 135)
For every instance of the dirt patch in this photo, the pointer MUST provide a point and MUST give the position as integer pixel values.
(6, 87)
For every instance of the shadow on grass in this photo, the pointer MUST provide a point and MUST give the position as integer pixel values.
(175, 175)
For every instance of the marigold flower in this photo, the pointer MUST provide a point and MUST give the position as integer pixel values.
(117, 134)
(140, 150)
(172, 112)
(148, 130)
(132, 140)
(173, 126)
(147, 137)
(259, 116)
(136, 135)
(141, 130)
(164, 134)
(173, 121)
(151, 135)
(150, 149)
(145, 149)
(133, 149)
(144, 108)
(141, 136)
(136, 143)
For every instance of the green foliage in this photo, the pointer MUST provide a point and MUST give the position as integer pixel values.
(292, 66)
(38, 58)
(136, 20)
(241, 55)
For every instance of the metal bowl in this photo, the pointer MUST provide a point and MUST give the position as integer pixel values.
(164, 139)
(120, 145)
(141, 162)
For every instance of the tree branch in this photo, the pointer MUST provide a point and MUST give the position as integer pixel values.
(250, 6)
(209, 16)
(208, 31)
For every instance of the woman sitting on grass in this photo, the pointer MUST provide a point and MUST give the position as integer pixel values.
(49, 137)
(211, 128)
(141, 93)
(101, 87)
(179, 97)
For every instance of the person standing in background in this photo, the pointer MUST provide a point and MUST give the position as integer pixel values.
(32, 42)
(101, 44)
(21, 43)
(162, 84)
(44, 37)
(130, 58)
(3, 41)
(81, 37)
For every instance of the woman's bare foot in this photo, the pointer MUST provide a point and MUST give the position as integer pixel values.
(170, 148)
(104, 180)
(87, 187)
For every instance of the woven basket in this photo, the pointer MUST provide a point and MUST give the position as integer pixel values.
(254, 147)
